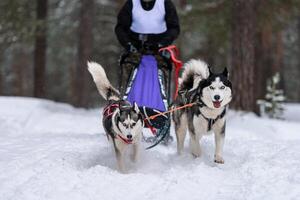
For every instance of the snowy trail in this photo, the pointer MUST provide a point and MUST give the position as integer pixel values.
(53, 151)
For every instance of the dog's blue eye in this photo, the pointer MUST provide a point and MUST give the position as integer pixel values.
(211, 87)
(222, 87)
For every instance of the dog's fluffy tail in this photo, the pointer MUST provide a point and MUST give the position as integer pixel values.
(194, 72)
(104, 87)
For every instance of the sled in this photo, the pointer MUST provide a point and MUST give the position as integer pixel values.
(149, 87)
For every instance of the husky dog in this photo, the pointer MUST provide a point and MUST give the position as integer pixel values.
(211, 93)
(122, 122)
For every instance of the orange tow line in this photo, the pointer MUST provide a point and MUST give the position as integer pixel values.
(171, 110)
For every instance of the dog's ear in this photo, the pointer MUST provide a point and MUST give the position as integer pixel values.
(136, 107)
(225, 72)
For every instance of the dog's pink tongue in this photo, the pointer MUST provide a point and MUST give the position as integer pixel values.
(217, 104)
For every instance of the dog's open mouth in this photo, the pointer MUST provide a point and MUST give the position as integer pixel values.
(217, 104)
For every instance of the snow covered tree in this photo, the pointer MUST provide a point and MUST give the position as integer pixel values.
(272, 106)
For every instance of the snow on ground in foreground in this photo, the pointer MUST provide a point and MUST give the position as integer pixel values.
(53, 151)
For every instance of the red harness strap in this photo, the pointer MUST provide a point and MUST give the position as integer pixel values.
(124, 139)
(173, 50)
(152, 129)
(109, 110)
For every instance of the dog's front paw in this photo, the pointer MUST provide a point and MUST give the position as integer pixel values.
(219, 159)
(195, 149)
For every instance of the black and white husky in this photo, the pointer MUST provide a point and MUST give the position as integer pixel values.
(212, 92)
(122, 121)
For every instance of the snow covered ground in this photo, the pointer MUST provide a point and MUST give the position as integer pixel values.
(53, 151)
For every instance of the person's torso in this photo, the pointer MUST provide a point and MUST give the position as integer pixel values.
(148, 22)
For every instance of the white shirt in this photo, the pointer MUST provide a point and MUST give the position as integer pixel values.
(148, 22)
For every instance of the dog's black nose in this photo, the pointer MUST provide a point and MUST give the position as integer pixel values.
(129, 136)
(217, 97)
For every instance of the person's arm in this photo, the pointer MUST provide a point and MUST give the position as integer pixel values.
(172, 21)
(124, 20)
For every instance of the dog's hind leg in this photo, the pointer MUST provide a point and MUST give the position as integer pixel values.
(180, 130)
(219, 131)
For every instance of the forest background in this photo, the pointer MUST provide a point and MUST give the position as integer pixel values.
(44, 46)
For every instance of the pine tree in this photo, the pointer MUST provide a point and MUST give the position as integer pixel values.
(272, 106)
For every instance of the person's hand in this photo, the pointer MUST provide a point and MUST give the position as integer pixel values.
(130, 48)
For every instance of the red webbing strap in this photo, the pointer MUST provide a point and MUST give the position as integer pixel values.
(124, 139)
(152, 129)
(173, 50)
(109, 110)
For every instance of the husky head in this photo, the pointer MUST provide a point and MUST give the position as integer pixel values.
(129, 120)
(216, 90)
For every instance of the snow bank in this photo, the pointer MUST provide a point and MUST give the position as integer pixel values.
(53, 151)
